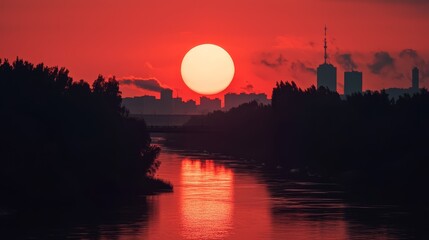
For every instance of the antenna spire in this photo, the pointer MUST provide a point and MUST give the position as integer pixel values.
(326, 46)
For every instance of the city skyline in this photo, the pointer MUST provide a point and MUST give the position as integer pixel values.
(214, 119)
(169, 105)
(280, 44)
(326, 77)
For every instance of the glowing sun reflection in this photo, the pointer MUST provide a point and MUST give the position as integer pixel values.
(206, 199)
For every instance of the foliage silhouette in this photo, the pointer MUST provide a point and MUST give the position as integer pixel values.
(64, 141)
(368, 142)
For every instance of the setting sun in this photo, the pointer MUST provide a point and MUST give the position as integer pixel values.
(207, 69)
(186, 120)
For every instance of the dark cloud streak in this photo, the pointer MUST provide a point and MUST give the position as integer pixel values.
(299, 66)
(346, 61)
(148, 84)
(382, 60)
(413, 57)
(278, 62)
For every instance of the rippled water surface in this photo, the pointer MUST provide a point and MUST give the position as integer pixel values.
(219, 198)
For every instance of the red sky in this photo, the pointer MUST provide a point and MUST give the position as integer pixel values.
(269, 40)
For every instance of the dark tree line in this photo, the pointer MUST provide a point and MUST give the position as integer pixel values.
(244, 131)
(366, 141)
(68, 141)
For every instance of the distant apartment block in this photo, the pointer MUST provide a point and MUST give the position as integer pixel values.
(415, 79)
(167, 105)
(209, 105)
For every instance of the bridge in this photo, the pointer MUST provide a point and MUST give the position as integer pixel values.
(180, 129)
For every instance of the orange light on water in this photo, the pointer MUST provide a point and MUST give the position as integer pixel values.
(206, 213)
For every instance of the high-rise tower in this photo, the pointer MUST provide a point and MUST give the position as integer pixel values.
(352, 82)
(326, 72)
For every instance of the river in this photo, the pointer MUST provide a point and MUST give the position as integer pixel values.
(218, 197)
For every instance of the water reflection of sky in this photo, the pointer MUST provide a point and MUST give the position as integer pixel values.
(215, 199)
(206, 200)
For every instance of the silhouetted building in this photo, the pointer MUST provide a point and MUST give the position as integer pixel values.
(190, 107)
(209, 105)
(166, 101)
(141, 105)
(326, 72)
(352, 82)
(415, 79)
(181, 107)
(396, 92)
(167, 105)
(235, 100)
(166, 94)
(327, 76)
(177, 104)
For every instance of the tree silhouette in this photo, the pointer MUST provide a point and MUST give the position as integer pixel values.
(64, 141)
(368, 142)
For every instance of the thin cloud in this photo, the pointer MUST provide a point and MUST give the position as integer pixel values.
(382, 60)
(299, 66)
(413, 58)
(346, 61)
(147, 84)
(278, 62)
(248, 88)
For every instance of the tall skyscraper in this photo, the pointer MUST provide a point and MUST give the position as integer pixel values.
(415, 78)
(326, 72)
(352, 82)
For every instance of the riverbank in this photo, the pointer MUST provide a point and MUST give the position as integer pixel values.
(372, 145)
(214, 194)
(370, 186)
(68, 142)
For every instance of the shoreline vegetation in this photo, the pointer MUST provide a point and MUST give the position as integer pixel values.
(66, 142)
(373, 146)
